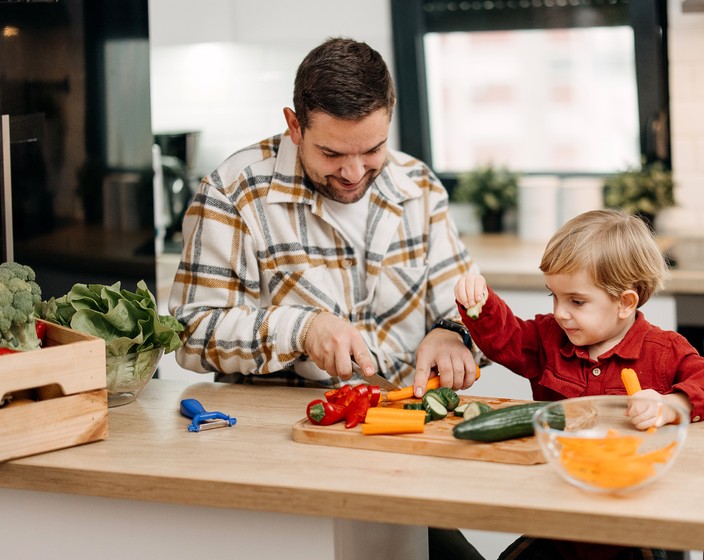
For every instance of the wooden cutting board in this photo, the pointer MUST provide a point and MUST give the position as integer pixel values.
(437, 439)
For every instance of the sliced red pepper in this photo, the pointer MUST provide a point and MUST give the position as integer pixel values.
(338, 395)
(374, 395)
(40, 328)
(7, 351)
(357, 410)
(325, 413)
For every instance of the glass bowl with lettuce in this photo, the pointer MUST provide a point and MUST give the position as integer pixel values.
(136, 336)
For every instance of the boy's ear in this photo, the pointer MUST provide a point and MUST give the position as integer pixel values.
(628, 303)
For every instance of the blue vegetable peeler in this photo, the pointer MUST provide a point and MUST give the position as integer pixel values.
(191, 408)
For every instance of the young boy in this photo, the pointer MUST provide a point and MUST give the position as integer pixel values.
(599, 268)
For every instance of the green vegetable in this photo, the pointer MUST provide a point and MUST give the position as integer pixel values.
(438, 395)
(452, 398)
(475, 408)
(19, 293)
(413, 406)
(128, 321)
(459, 411)
(437, 410)
(505, 423)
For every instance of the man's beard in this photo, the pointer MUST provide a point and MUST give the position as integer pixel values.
(344, 197)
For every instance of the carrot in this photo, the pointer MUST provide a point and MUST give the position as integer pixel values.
(611, 462)
(392, 428)
(630, 380)
(388, 414)
(407, 392)
(388, 420)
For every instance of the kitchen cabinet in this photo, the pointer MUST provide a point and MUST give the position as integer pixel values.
(74, 84)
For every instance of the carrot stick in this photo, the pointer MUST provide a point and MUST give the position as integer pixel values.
(407, 392)
(433, 383)
(411, 427)
(388, 414)
(630, 380)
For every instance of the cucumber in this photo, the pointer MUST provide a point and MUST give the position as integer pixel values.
(413, 406)
(505, 423)
(436, 409)
(475, 408)
(459, 411)
(437, 394)
(452, 398)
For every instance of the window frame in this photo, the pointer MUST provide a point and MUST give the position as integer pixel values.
(411, 19)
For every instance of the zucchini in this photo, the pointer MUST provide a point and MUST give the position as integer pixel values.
(436, 409)
(475, 408)
(505, 423)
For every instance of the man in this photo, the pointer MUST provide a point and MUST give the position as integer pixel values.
(321, 247)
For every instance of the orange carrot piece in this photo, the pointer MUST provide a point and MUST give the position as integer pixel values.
(630, 380)
(407, 392)
(413, 427)
(387, 414)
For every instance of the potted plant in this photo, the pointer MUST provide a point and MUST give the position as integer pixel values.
(491, 190)
(643, 191)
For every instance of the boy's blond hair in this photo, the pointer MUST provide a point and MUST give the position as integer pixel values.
(617, 251)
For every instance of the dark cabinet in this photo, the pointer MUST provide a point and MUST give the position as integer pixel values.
(77, 141)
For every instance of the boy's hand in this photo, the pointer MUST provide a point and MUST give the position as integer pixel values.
(653, 413)
(470, 289)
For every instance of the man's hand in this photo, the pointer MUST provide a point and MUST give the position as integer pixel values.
(444, 351)
(333, 342)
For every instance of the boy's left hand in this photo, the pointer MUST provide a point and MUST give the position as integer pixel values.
(650, 413)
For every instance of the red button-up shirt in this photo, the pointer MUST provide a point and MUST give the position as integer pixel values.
(539, 350)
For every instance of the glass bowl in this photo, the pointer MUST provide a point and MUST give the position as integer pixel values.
(600, 450)
(128, 375)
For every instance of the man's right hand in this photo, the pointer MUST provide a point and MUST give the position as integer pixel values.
(333, 342)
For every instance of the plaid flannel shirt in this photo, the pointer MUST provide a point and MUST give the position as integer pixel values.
(261, 258)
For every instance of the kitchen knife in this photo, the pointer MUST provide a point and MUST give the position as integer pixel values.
(375, 379)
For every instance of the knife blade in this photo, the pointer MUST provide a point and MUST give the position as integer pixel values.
(375, 379)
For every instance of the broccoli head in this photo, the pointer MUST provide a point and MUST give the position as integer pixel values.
(19, 293)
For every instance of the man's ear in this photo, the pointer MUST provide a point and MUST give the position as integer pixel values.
(628, 303)
(294, 127)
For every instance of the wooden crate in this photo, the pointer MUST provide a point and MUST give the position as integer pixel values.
(67, 377)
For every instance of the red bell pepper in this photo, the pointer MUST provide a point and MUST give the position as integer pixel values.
(7, 351)
(40, 328)
(338, 395)
(357, 410)
(325, 413)
(374, 395)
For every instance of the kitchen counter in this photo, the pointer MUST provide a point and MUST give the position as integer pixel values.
(510, 263)
(255, 468)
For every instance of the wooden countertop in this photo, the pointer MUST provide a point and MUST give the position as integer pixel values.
(255, 465)
(510, 263)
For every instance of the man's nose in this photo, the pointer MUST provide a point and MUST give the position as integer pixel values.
(352, 169)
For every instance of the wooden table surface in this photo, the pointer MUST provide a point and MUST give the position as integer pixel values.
(255, 465)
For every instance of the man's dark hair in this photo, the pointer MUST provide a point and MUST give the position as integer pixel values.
(344, 78)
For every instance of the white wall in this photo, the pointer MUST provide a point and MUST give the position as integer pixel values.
(226, 67)
(686, 55)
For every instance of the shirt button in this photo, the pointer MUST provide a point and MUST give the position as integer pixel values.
(347, 263)
(696, 419)
(596, 371)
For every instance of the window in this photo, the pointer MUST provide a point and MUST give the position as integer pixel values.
(544, 86)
